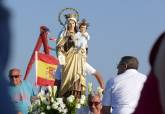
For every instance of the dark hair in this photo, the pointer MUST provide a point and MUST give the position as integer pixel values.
(83, 23)
(130, 61)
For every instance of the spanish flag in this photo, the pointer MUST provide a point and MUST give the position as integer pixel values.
(46, 66)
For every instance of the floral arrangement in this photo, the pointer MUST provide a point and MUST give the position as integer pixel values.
(73, 104)
(99, 90)
(48, 103)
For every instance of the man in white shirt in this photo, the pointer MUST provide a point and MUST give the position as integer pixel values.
(123, 91)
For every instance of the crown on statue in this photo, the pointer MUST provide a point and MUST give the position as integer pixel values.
(71, 16)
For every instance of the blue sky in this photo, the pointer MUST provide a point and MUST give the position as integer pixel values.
(117, 28)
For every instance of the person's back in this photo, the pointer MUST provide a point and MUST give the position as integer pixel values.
(123, 91)
(126, 90)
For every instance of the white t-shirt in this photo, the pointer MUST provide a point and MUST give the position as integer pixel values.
(89, 70)
(123, 91)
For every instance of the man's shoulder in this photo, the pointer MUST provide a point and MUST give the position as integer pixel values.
(110, 82)
(133, 74)
(142, 76)
(26, 83)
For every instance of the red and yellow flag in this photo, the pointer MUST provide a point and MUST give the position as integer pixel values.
(46, 66)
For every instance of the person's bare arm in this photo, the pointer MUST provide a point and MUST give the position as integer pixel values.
(99, 79)
(106, 110)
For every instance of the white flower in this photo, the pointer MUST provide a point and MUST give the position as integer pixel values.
(50, 90)
(54, 90)
(57, 103)
(90, 87)
(42, 113)
(45, 101)
(54, 106)
(37, 102)
(48, 107)
(43, 98)
(65, 111)
(59, 100)
(52, 99)
(30, 109)
(78, 106)
(41, 94)
(100, 91)
(83, 97)
(82, 101)
(62, 105)
(71, 98)
(59, 109)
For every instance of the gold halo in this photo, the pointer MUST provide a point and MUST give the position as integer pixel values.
(67, 9)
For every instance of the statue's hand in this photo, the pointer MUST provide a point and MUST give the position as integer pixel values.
(60, 48)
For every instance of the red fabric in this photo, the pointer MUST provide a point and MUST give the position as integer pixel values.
(48, 59)
(42, 39)
(149, 102)
(44, 82)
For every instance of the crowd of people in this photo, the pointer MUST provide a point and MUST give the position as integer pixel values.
(129, 92)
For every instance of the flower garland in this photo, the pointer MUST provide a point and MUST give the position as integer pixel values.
(48, 103)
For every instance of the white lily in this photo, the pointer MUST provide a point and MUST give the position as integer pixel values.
(52, 99)
(50, 90)
(100, 91)
(78, 106)
(54, 90)
(90, 87)
(59, 100)
(48, 107)
(70, 99)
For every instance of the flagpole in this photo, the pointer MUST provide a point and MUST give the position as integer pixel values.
(36, 66)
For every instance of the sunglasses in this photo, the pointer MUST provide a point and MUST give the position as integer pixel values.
(14, 76)
(95, 103)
